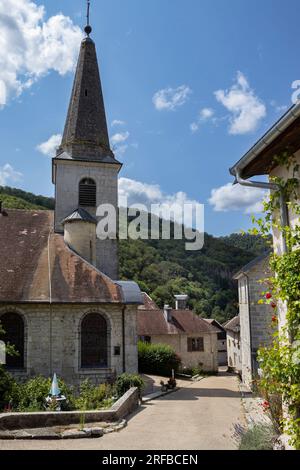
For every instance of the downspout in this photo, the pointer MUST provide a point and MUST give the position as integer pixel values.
(123, 339)
(250, 322)
(50, 308)
(270, 186)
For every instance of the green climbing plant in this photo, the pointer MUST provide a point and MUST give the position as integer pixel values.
(280, 362)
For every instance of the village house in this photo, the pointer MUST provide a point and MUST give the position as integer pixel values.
(282, 138)
(60, 302)
(232, 328)
(192, 338)
(255, 318)
(222, 341)
(266, 158)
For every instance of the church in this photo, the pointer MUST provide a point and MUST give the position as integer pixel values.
(61, 303)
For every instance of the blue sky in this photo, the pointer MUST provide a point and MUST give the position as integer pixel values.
(195, 83)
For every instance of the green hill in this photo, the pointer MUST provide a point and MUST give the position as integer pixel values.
(14, 198)
(163, 268)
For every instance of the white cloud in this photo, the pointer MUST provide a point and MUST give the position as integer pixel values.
(31, 46)
(137, 192)
(49, 147)
(171, 98)
(237, 198)
(120, 137)
(120, 150)
(204, 115)
(117, 122)
(279, 108)
(194, 127)
(8, 174)
(246, 109)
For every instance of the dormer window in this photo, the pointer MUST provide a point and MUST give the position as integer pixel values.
(87, 192)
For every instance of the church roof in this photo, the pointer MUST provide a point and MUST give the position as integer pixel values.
(37, 266)
(85, 134)
(80, 214)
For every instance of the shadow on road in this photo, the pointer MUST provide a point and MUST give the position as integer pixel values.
(196, 393)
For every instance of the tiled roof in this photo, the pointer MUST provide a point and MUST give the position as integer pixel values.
(215, 323)
(148, 303)
(153, 322)
(37, 266)
(233, 324)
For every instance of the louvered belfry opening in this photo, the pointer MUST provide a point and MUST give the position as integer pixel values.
(13, 326)
(87, 193)
(94, 342)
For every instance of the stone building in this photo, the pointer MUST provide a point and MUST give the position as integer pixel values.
(60, 301)
(193, 339)
(222, 341)
(255, 319)
(262, 160)
(232, 328)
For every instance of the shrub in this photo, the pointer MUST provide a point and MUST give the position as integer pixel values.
(31, 396)
(8, 387)
(94, 397)
(258, 437)
(157, 359)
(125, 381)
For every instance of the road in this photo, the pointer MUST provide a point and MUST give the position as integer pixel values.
(200, 416)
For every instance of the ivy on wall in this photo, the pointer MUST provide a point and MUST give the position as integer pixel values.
(280, 363)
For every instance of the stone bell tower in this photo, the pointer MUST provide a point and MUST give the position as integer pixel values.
(85, 171)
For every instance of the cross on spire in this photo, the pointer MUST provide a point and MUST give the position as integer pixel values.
(88, 28)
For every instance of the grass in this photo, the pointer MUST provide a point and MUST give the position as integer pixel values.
(258, 437)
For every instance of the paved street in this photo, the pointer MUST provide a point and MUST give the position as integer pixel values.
(200, 416)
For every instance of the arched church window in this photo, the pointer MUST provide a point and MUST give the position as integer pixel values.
(13, 325)
(87, 192)
(94, 341)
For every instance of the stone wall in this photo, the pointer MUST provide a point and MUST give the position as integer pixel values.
(234, 351)
(67, 178)
(123, 407)
(52, 340)
(208, 357)
(255, 319)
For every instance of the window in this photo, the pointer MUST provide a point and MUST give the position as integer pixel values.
(87, 192)
(13, 326)
(195, 344)
(94, 342)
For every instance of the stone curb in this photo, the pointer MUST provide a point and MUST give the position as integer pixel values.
(42, 420)
(44, 434)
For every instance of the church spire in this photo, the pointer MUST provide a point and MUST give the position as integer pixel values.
(85, 134)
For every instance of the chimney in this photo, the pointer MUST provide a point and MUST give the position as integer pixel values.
(168, 313)
(181, 302)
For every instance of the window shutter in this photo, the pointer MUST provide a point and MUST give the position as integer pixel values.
(87, 192)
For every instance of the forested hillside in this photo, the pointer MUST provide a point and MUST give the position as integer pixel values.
(163, 268)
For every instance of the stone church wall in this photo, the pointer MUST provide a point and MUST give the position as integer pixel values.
(52, 340)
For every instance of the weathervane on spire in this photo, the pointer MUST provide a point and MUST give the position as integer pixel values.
(88, 28)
